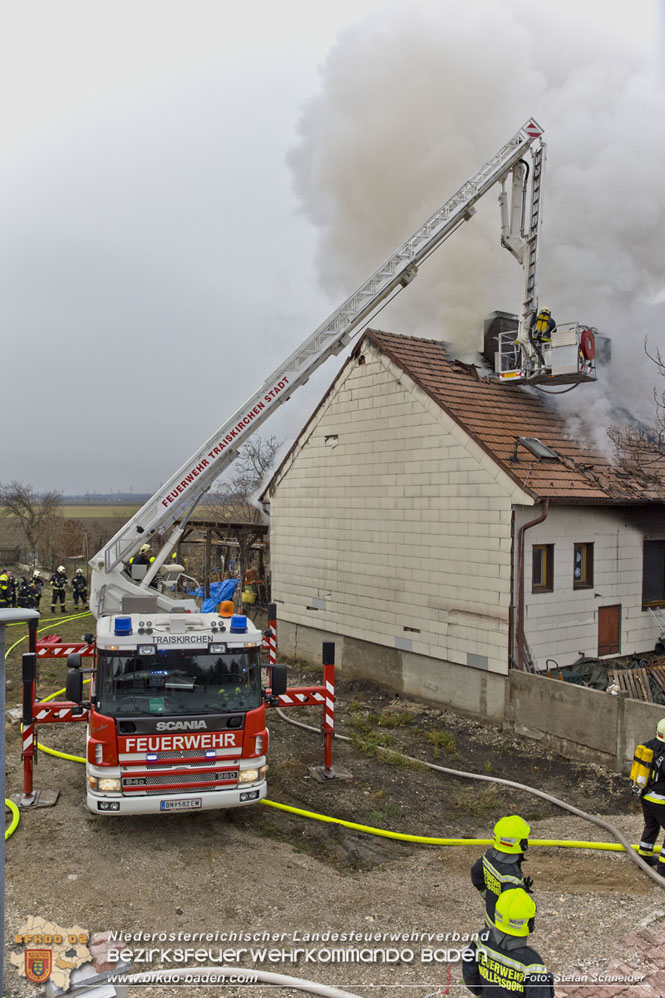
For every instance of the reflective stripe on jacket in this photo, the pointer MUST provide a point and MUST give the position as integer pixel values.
(496, 872)
(505, 968)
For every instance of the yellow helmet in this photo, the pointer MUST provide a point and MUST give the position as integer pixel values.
(660, 730)
(515, 912)
(511, 834)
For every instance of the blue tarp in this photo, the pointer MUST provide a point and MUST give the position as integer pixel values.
(219, 591)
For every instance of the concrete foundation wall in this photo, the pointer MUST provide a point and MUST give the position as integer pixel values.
(474, 691)
(577, 722)
(583, 723)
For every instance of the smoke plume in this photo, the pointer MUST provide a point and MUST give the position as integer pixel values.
(413, 102)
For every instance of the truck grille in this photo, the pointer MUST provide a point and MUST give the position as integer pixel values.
(172, 783)
(180, 754)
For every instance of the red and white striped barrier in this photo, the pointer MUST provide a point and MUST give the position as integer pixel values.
(60, 649)
(56, 712)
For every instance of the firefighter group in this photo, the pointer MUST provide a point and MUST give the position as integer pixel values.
(27, 591)
(501, 962)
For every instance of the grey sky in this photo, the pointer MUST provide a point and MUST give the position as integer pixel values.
(157, 260)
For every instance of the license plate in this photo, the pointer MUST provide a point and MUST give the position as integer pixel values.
(180, 805)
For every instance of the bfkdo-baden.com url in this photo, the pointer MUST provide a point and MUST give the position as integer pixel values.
(193, 978)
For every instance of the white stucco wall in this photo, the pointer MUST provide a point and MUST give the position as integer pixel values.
(400, 534)
(564, 622)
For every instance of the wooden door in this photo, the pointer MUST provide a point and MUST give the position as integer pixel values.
(609, 630)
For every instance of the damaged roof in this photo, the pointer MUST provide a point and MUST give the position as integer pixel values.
(502, 418)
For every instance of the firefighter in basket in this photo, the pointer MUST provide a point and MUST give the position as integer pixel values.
(500, 869)
(540, 334)
(501, 963)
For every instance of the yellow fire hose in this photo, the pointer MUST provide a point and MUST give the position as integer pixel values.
(369, 829)
(426, 840)
(620, 846)
(623, 843)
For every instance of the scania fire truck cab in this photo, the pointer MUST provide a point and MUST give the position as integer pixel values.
(177, 716)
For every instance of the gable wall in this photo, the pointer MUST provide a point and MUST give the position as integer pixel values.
(399, 535)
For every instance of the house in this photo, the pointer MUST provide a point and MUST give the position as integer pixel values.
(441, 527)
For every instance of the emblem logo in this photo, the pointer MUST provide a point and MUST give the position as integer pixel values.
(38, 965)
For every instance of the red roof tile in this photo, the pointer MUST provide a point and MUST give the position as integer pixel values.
(495, 415)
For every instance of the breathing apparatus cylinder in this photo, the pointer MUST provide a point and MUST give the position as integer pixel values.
(641, 768)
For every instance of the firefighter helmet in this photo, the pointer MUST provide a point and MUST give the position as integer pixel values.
(511, 834)
(79, 571)
(660, 730)
(515, 912)
(144, 548)
(36, 574)
(61, 568)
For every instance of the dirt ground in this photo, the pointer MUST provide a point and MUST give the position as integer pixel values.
(259, 870)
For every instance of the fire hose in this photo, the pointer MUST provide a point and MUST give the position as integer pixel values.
(624, 844)
(621, 844)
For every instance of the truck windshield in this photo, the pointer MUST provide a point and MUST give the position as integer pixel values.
(177, 682)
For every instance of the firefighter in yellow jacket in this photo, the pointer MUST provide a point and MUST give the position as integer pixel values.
(500, 963)
(500, 869)
(648, 776)
(5, 590)
(540, 334)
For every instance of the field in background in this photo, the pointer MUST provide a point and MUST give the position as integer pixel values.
(82, 511)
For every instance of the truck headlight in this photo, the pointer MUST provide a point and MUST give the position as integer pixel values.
(252, 775)
(248, 776)
(108, 785)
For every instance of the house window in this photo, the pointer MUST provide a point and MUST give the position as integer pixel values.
(653, 574)
(582, 566)
(542, 576)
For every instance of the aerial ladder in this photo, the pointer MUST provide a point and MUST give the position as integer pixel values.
(112, 588)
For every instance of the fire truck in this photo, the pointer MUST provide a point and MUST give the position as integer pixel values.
(176, 711)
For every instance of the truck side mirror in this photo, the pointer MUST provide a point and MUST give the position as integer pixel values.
(278, 680)
(74, 660)
(74, 685)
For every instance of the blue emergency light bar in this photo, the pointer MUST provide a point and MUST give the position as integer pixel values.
(123, 625)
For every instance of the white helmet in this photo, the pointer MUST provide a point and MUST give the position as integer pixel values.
(61, 568)
(79, 572)
(144, 548)
(36, 574)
